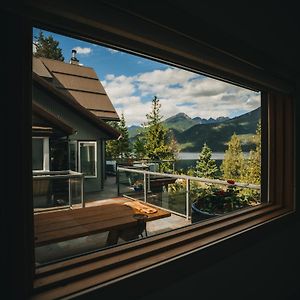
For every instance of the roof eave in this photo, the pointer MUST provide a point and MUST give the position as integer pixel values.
(110, 131)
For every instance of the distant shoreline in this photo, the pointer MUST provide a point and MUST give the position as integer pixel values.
(195, 155)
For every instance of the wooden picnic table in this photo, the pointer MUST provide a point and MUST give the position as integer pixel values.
(125, 218)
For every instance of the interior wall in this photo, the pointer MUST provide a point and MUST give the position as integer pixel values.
(16, 183)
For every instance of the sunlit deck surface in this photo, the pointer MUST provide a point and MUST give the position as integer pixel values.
(61, 250)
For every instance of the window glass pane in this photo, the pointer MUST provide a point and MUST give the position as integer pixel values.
(37, 154)
(88, 159)
(73, 157)
(189, 149)
(59, 155)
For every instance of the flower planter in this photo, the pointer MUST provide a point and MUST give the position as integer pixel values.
(216, 202)
(200, 215)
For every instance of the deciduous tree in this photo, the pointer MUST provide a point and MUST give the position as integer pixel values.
(252, 171)
(233, 162)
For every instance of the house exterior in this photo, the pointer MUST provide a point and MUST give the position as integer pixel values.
(69, 110)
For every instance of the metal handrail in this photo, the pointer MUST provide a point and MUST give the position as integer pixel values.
(187, 178)
(205, 180)
(67, 174)
(56, 174)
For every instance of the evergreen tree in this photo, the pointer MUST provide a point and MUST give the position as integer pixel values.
(139, 147)
(252, 170)
(120, 148)
(158, 146)
(205, 166)
(233, 162)
(47, 47)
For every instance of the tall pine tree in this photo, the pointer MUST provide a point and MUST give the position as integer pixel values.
(119, 149)
(205, 166)
(139, 147)
(47, 47)
(157, 144)
(233, 162)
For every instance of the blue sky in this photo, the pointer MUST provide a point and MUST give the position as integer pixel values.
(132, 81)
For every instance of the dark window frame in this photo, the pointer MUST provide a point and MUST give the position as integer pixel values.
(115, 263)
(99, 269)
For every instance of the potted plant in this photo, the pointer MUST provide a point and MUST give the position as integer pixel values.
(138, 186)
(213, 201)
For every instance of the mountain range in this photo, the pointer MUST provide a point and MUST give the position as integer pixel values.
(191, 134)
(180, 122)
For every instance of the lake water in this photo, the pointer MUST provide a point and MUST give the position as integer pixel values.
(195, 155)
(187, 160)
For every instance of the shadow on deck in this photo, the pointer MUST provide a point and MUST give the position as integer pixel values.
(66, 249)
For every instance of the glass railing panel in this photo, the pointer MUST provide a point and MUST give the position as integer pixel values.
(52, 190)
(130, 184)
(167, 192)
(75, 185)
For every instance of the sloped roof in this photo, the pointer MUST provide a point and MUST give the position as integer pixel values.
(77, 81)
(73, 104)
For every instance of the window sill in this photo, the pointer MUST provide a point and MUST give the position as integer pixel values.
(94, 270)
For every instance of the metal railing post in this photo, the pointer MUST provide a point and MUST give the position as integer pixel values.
(145, 187)
(187, 198)
(82, 192)
(148, 187)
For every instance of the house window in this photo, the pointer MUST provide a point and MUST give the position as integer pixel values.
(40, 154)
(88, 159)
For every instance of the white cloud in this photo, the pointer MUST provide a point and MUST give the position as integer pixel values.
(178, 91)
(83, 50)
(134, 109)
(110, 77)
(119, 87)
(166, 77)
